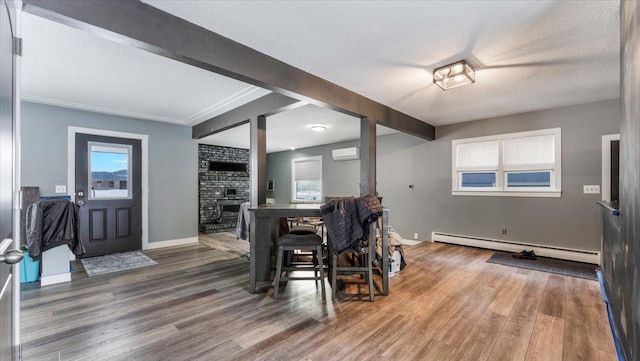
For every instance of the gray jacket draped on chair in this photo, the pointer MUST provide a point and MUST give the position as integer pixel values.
(347, 220)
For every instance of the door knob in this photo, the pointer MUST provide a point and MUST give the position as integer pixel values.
(80, 202)
(80, 194)
(11, 256)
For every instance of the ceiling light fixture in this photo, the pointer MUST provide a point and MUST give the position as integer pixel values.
(318, 127)
(454, 75)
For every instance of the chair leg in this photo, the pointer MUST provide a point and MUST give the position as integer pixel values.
(370, 276)
(321, 270)
(314, 258)
(334, 276)
(278, 271)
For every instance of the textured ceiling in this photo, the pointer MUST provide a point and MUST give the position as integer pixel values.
(529, 55)
(67, 67)
(293, 129)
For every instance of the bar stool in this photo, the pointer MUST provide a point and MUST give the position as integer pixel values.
(306, 242)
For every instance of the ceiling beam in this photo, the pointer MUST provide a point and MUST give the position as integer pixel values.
(267, 105)
(140, 25)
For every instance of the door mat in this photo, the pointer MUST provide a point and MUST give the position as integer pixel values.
(95, 266)
(545, 264)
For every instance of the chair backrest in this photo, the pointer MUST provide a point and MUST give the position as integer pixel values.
(327, 198)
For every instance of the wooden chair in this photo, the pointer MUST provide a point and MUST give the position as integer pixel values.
(300, 242)
(364, 265)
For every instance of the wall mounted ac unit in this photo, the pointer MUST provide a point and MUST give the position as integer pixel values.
(345, 154)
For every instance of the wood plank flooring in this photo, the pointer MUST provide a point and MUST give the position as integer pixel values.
(447, 304)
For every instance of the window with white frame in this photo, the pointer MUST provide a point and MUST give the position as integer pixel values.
(525, 164)
(306, 174)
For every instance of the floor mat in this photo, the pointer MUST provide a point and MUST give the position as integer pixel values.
(545, 264)
(95, 266)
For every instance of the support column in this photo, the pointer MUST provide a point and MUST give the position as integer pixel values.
(258, 160)
(367, 156)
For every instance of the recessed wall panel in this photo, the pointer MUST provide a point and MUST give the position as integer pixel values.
(97, 224)
(123, 222)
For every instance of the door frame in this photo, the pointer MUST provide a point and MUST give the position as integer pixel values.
(71, 168)
(16, 5)
(606, 166)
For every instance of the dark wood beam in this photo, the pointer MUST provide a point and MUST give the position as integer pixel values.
(258, 160)
(267, 105)
(140, 25)
(367, 156)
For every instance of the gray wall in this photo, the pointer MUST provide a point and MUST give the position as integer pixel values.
(173, 158)
(570, 221)
(339, 179)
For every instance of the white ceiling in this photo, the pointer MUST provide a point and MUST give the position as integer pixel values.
(293, 129)
(529, 55)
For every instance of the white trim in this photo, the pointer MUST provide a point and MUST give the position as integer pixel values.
(173, 242)
(213, 110)
(71, 167)
(508, 194)
(500, 188)
(53, 279)
(606, 165)
(17, 171)
(98, 109)
(510, 246)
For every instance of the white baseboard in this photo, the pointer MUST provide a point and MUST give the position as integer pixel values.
(172, 243)
(53, 279)
(509, 246)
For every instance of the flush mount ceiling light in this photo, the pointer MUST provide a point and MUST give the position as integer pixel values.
(318, 127)
(454, 75)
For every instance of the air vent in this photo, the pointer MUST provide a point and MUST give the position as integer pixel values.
(345, 154)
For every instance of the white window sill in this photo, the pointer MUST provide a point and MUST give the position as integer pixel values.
(507, 194)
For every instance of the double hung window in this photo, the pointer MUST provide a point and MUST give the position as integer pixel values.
(516, 164)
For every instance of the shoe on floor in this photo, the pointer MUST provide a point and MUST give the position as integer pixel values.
(524, 254)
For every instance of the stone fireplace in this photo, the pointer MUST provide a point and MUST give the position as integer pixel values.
(223, 178)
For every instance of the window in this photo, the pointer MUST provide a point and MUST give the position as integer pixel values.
(306, 174)
(109, 164)
(523, 164)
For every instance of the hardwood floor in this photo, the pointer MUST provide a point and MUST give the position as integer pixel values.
(447, 304)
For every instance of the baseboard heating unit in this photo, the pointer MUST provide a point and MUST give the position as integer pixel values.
(509, 246)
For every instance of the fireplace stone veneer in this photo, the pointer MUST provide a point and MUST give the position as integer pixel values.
(220, 192)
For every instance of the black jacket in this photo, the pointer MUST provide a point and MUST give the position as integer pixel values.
(347, 220)
(51, 223)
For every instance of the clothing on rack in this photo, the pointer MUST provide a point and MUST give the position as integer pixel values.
(51, 223)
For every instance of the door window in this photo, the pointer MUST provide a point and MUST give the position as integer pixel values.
(109, 171)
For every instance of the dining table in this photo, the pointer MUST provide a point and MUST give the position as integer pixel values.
(264, 234)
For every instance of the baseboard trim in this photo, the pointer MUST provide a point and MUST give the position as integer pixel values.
(53, 279)
(172, 243)
(508, 246)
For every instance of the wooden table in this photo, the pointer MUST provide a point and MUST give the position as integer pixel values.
(264, 236)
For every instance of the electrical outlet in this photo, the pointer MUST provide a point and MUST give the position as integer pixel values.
(415, 236)
(504, 231)
(61, 189)
(591, 189)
